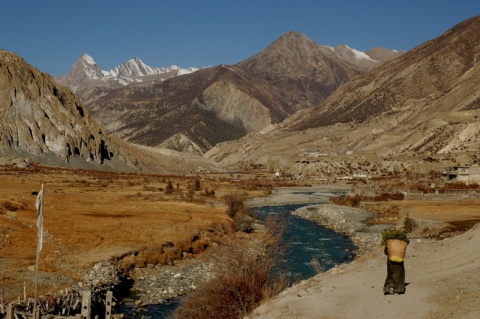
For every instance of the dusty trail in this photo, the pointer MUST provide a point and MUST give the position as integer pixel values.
(442, 276)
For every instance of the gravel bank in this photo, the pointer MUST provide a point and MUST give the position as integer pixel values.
(299, 195)
(158, 284)
(352, 222)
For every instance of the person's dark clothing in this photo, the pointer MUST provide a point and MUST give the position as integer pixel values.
(395, 277)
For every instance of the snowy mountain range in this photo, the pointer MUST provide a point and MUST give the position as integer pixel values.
(136, 68)
(85, 70)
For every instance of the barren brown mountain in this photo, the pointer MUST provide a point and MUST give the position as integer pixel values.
(197, 106)
(194, 112)
(424, 103)
(300, 71)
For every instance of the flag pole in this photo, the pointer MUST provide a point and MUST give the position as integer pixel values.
(39, 206)
(36, 289)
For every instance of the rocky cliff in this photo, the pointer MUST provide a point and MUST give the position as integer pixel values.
(43, 121)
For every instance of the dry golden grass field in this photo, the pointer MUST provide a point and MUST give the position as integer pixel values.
(92, 216)
(435, 216)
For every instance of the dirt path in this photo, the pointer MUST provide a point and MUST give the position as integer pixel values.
(442, 276)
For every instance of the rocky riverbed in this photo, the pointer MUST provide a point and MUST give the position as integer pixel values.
(158, 284)
(352, 222)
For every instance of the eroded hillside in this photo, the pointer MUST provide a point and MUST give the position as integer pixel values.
(424, 104)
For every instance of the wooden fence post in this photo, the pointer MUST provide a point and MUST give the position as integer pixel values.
(108, 305)
(86, 304)
(10, 311)
(36, 313)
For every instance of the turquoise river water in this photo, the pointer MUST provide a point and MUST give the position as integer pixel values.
(306, 241)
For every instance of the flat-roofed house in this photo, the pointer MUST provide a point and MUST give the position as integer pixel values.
(467, 174)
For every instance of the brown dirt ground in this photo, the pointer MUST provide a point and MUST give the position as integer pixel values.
(92, 216)
(441, 276)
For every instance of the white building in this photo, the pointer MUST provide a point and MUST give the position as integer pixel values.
(466, 174)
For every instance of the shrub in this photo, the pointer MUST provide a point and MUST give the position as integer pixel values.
(244, 275)
(394, 233)
(197, 185)
(235, 205)
(391, 196)
(9, 206)
(355, 200)
(243, 217)
(209, 193)
(169, 188)
(243, 223)
(409, 224)
(460, 185)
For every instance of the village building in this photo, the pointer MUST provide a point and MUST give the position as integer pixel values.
(466, 174)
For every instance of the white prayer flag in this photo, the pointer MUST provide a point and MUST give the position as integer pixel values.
(39, 206)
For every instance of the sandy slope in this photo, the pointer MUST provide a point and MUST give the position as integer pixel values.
(443, 282)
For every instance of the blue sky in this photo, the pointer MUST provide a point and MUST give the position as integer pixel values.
(52, 34)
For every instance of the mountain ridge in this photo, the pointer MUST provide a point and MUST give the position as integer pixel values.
(85, 69)
(44, 122)
(294, 99)
(242, 98)
(435, 66)
(418, 110)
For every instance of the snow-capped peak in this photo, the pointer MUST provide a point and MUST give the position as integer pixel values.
(88, 59)
(86, 69)
(132, 68)
(135, 68)
(359, 55)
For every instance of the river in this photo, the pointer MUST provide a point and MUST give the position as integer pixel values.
(306, 240)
